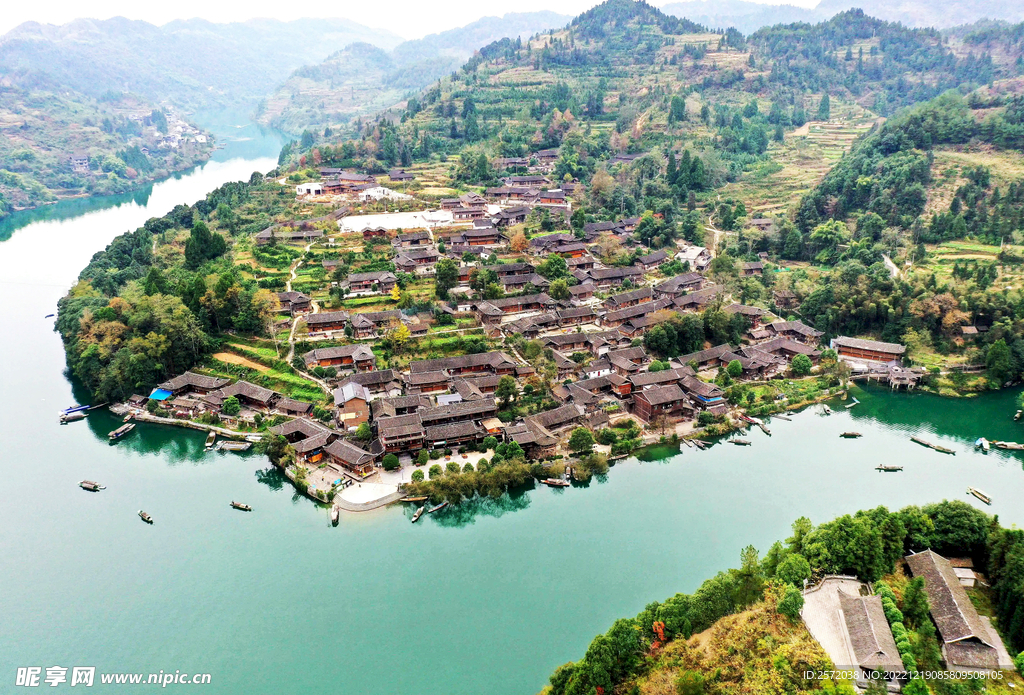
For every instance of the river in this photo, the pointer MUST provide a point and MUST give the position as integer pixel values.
(484, 598)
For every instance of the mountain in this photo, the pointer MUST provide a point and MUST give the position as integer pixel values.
(751, 16)
(191, 63)
(361, 79)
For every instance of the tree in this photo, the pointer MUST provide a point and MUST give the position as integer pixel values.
(915, 603)
(231, 406)
(363, 432)
(507, 391)
(999, 362)
(735, 369)
(691, 682)
(396, 293)
(581, 441)
(422, 458)
(554, 268)
(390, 462)
(417, 476)
(452, 468)
(436, 471)
(791, 603)
(793, 569)
(824, 108)
(559, 290)
(446, 276)
(519, 242)
(490, 443)
(801, 365)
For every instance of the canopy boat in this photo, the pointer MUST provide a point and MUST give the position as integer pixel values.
(65, 418)
(982, 444)
(234, 446)
(980, 495)
(555, 482)
(210, 439)
(851, 435)
(888, 469)
(335, 515)
(418, 514)
(128, 417)
(121, 431)
(241, 507)
(145, 517)
(1013, 446)
(438, 507)
(91, 486)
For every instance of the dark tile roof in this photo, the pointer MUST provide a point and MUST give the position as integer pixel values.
(356, 352)
(659, 395)
(493, 359)
(195, 381)
(293, 406)
(250, 391)
(326, 317)
(870, 636)
(618, 300)
(843, 341)
(400, 425)
(349, 453)
(454, 430)
(952, 610)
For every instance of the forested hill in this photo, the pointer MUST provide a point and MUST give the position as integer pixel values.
(191, 63)
(362, 79)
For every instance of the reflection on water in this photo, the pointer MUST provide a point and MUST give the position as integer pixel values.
(467, 512)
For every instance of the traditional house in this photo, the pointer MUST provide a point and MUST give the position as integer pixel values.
(680, 284)
(357, 357)
(401, 433)
(292, 407)
(613, 319)
(667, 402)
(505, 269)
(763, 224)
(511, 216)
(786, 347)
(190, 382)
(286, 234)
(374, 232)
(711, 357)
(627, 299)
(753, 314)
(665, 377)
(458, 412)
(351, 457)
(453, 434)
(652, 260)
(378, 382)
(703, 395)
(369, 324)
(613, 277)
(484, 236)
(583, 292)
(784, 299)
(481, 363)
(417, 260)
(378, 281)
(250, 395)
(399, 405)
(327, 321)
(412, 240)
(461, 214)
(583, 263)
(400, 175)
(518, 305)
(867, 350)
(969, 641)
(532, 180)
(517, 283)
(553, 197)
(450, 203)
(698, 299)
(751, 268)
(426, 382)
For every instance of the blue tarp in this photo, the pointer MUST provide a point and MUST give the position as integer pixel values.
(160, 394)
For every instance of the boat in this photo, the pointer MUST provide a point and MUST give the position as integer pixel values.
(49, 316)
(414, 499)
(335, 515)
(702, 445)
(418, 514)
(783, 417)
(980, 495)
(241, 507)
(127, 417)
(65, 418)
(936, 447)
(234, 446)
(145, 517)
(688, 443)
(438, 507)
(121, 431)
(210, 439)
(91, 486)
(828, 411)
(555, 482)
(1018, 414)
(740, 442)
(855, 402)
(982, 444)
(888, 469)
(1012, 446)
(851, 435)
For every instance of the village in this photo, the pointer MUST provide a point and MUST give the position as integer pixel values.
(467, 335)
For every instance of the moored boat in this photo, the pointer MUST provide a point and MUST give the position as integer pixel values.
(127, 417)
(740, 442)
(982, 444)
(1012, 446)
(65, 418)
(555, 482)
(241, 507)
(234, 446)
(980, 495)
(91, 486)
(851, 435)
(121, 431)
(210, 439)
(145, 517)
(828, 411)
(418, 514)
(335, 515)
(438, 507)
(414, 499)
(888, 469)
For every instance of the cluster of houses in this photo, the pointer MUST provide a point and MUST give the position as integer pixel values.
(189, 395)
(849, 622)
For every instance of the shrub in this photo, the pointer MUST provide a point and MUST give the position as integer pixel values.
(452, 468)
(436, 471)
(435, 454)
(391, 462)
(892, 613)
(801, 365)
(490, 443)
(422, 457)
(231, 406)
(607, 436)
(794, 569)
(705, 418)
(791, 603)
(468, 468)
(1019, 662)
(417, 476)
(447, 452)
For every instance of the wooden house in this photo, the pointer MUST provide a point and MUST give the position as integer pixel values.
(667, 402)
(358, 357)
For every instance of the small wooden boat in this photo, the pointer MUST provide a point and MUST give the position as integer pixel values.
(234, 446)
(91, 486)
(127, 417)
(851, 435)
(1012, 446)
(241, 507)
(555, 482)
(740, 442)
(418, 514)
(1018, 414)
(888, 469)
(121, 431)
(855, 402)
(828, 411)
(980, 495)
(210, 439)
(65, 418)
(415, 499)
(49, 316)
(145, 517)
(702, 445)
(783, 417)
(982, 444)
(688, 443)
(936, 447)
(335, 515)
(438, 507)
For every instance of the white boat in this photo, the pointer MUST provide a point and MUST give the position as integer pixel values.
(982, 444)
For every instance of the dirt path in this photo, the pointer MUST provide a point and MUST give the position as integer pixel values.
(292, 274)
(232, 358)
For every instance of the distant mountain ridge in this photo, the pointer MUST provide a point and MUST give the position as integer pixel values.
(361, 79)
(191, 63)
(751, 16)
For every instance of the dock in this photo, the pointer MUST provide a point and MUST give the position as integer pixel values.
(936, 447)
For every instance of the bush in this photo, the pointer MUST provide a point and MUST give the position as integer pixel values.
(1019, 662)
(422, 457)
(791, 603)
(794, 569)
(231, 406)
(453, 468)
(152, 405)
(892, 613)
(435, 454)
(490, 443)
(436, 471)
(801, 365)
(607, 437)
(391, 462)
(468, 468)
(447, 452)
(417, 476)
(705, 418)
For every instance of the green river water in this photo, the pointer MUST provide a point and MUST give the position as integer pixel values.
(484, 598)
